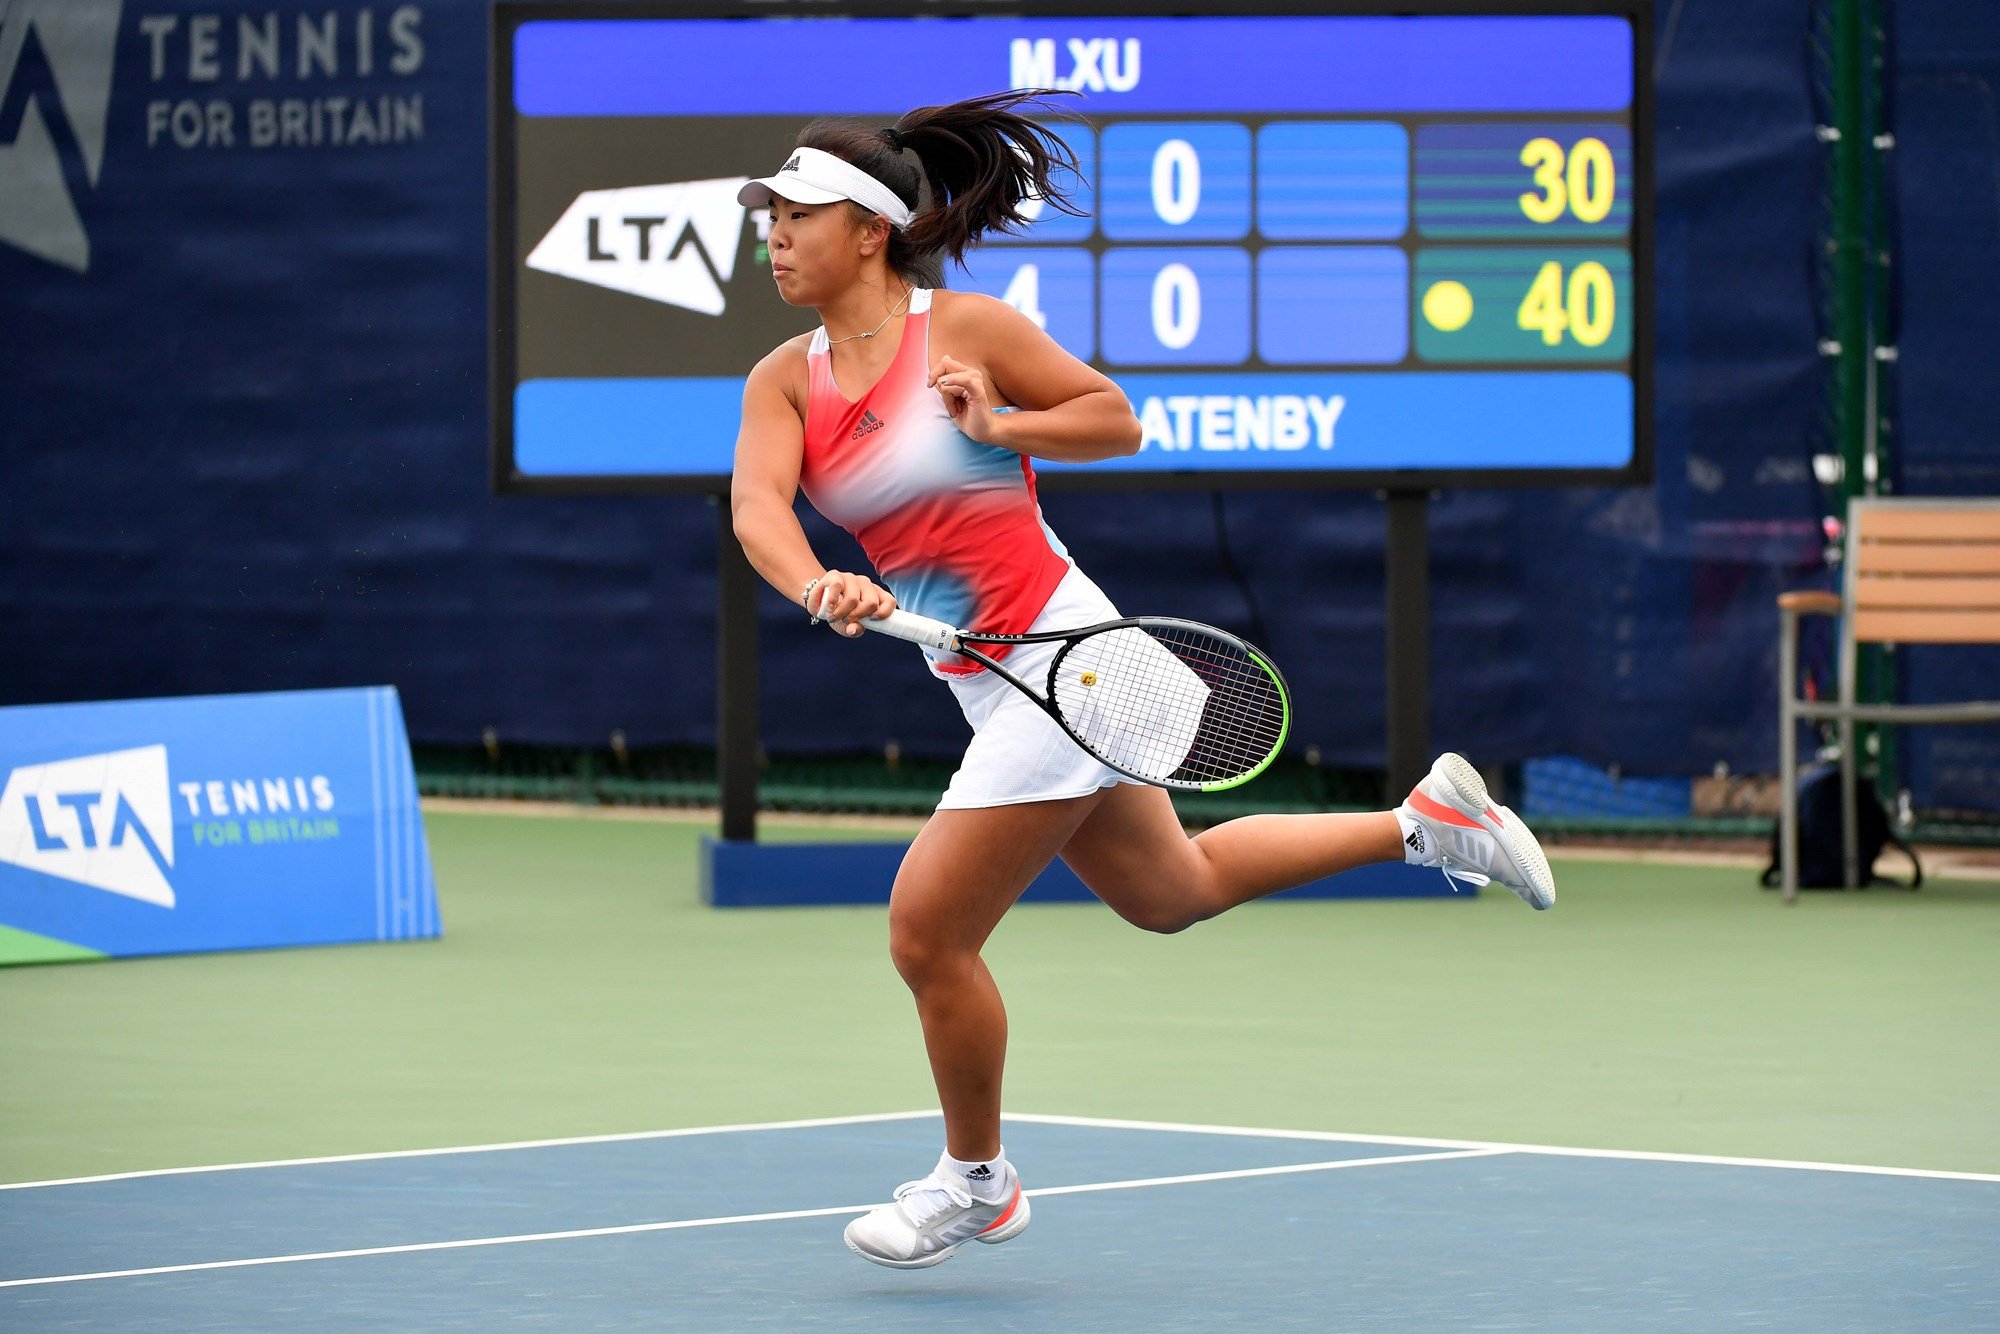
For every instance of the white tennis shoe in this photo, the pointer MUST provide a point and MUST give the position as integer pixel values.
(1461, 832)
(932, 1217)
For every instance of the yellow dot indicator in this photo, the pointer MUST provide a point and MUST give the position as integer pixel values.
(1090, 678)
(1448, 306)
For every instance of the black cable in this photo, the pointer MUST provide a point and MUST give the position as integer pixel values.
(1257, 635)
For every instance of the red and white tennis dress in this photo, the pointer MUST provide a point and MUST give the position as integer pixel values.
(954, 530)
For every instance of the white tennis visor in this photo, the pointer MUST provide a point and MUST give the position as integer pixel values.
(810, 176)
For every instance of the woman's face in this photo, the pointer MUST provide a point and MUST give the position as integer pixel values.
(816, 250)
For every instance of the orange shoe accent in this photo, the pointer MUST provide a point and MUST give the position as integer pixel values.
(1436, 811)
(1012, 1205)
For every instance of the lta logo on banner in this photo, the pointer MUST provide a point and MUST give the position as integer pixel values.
(105, 821)
(55, 100)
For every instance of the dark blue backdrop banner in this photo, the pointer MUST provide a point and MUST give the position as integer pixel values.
(243, 433)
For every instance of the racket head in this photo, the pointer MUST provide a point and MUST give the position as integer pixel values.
(1171, 702)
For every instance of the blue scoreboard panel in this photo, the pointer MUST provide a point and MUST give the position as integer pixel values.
(1326, 247)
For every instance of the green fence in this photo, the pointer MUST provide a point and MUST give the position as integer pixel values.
(879, 784)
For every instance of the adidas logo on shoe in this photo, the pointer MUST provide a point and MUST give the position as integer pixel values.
(869, 422)
(1476, 842)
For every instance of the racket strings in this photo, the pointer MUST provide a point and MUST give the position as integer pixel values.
(1240, 716)
(1171, 703)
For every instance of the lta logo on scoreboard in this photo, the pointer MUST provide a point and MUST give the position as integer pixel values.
(1352, 250)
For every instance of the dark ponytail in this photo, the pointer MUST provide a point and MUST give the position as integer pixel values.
(981, 158)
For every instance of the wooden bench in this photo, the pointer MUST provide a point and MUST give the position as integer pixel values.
(1917, 572)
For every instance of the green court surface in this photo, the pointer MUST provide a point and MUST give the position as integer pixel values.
(581, 989)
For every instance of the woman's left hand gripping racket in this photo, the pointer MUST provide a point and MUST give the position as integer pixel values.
(1174, 703)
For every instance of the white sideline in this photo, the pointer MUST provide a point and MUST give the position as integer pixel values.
(480, 1148)
(1098, 1122)
(628, 1229)
(1499, 1146)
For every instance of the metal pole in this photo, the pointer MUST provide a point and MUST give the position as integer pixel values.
(1847, 137)
(1850, 38)
(1856, 367)
(735, 680)
(1877, 62)
(1788, 756)
(1409, 640)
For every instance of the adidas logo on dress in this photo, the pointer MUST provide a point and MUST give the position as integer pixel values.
(869, 422)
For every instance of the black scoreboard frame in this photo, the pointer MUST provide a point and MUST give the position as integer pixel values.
(504, 241)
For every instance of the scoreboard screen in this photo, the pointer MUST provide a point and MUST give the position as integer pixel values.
(1328, 247)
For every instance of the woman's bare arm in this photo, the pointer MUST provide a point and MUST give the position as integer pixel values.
(1068, 410)
(770, 450)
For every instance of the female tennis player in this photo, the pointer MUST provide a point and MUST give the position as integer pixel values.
(910, 418)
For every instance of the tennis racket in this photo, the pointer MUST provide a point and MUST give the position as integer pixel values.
(1169, 702)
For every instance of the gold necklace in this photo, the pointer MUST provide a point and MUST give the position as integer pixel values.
(878, 328)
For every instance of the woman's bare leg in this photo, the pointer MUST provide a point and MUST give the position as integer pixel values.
(963, 872)
(1133, 853)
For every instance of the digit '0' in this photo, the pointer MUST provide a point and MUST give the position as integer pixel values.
(1593, 181)
(1176, 306)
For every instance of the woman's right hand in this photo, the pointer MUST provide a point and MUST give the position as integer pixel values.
(844, 598)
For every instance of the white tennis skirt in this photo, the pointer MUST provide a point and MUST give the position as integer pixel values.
(1018, 753)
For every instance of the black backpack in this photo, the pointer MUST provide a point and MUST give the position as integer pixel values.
(1819, 834)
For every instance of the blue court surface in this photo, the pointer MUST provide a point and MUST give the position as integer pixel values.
(1137, 1226)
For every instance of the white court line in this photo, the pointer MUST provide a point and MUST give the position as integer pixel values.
(482, 1148)
(1552, 1150)
(1333, 1166)
(1105, 1123)
(631, 1228)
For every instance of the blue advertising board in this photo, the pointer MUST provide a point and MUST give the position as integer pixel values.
(738, 873)
(166, 826)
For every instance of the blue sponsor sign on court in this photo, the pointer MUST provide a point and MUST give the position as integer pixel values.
(219, 822)
(738, 874)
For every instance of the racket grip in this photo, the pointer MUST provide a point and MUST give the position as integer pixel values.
(916, 629)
